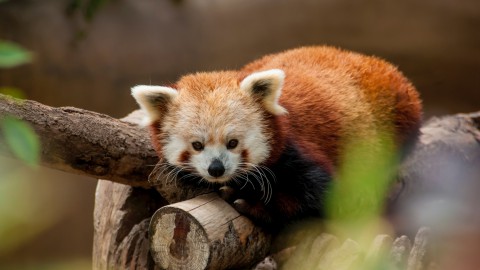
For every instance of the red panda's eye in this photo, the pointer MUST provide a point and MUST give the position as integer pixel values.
(232, 144)
(197, 146)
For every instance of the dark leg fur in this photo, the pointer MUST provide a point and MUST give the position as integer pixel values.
(227, 193)
(297, 192)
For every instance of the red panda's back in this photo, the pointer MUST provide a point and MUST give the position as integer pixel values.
(335, 96)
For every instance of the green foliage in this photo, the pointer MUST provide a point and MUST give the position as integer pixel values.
(361, 184)
(12, 91)
(21, 139)
(16, 211)
(26, 206)
(87, 7)
(359, 193)
(18, 135)
(12, 55)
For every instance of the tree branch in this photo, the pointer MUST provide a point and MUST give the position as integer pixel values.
(87, 143)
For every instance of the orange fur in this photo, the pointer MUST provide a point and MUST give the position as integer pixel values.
(293, 118)
(331, 95)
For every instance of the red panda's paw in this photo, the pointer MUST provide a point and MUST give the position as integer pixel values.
(257, 212)
(242, 206)
(227, 193)
(251, 207)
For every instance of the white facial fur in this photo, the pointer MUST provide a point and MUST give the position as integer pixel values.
(202, 161)
(151, 98)
(214, 131)
(213, 118)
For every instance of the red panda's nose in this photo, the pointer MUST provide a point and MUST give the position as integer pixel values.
(216, 168)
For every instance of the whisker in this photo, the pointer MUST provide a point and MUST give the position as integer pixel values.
(261, 174)
(168, 173)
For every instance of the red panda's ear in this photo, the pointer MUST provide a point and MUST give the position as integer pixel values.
(154, 100)
(267, 86)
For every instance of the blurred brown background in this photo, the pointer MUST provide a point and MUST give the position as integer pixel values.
(92, 64)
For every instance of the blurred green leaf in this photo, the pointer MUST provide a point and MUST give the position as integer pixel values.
(73, 6)
(87, 7)
(357, 199)
(23, 211)
(92, 8)
(359, 192)
(16, 212)
(12, 55)
(21, 139)
(12, 91)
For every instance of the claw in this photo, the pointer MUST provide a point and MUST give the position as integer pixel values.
(241, 206)
(227, 193)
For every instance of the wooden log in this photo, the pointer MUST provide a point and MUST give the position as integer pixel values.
(298, 260)
(347, 256)
(311, 250)
(86, 143)
(322, 245)
(418, 255)
(379, 248)
(205, 233)
(326, 253)
(121, 217)
(173, 190)
(399, 253)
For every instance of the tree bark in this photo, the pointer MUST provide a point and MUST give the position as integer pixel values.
(121, 217)
(399, 253)
(418, 254)
(205, 233)
(87, 143)
(443, 167)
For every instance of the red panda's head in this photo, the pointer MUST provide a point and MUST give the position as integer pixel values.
(213, 124)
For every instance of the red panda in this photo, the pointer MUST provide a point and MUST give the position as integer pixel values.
(274, 130)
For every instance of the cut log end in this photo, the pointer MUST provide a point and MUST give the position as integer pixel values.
(205, 233)
(178, 241)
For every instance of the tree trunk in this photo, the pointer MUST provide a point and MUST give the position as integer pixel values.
(121, 218)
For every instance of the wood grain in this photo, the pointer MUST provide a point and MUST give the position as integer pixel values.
(205, 233)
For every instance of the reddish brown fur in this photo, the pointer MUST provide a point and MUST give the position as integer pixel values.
(184, 157)
(245, 155)
(155, 128)
(334, 99)
(332, 96)
(318, 119)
